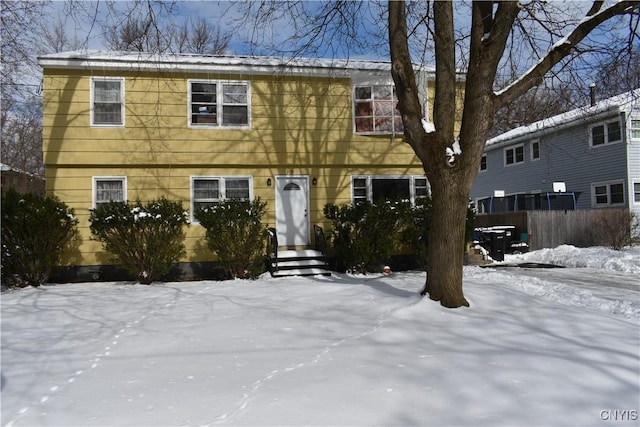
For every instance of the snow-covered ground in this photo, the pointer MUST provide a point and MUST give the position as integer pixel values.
(341, 350)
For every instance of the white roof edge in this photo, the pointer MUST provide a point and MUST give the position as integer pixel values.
(616, 103)
(202, 63)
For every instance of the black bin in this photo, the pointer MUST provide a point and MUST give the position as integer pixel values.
(497, 243)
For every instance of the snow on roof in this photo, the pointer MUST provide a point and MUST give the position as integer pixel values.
(617, 103)
(198, 62)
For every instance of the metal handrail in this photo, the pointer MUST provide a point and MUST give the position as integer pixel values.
(273, 246)
(320, 241)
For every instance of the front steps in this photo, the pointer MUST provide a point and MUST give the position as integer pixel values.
(305, 262)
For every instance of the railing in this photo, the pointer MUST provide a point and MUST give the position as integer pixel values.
(273, 249)
(320, 241)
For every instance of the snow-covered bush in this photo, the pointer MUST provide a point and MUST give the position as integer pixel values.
(236, 235)
(144, 238)
(35, 232)
(363, 236)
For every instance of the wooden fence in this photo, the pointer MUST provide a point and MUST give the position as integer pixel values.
(548, 229)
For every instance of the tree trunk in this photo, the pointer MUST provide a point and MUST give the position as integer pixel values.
(445, 252)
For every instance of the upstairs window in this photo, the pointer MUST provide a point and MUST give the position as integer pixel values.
(109, 189)
(381, 187)
(219, 103)
(636, 192)
(514, 155)
(208, 190)
(607, 194)
(107, 101)
(635, 127)
(375, 110)
(605, 133)
(483, 163)
(535, 150)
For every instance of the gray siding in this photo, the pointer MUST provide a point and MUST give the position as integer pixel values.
(565, 155)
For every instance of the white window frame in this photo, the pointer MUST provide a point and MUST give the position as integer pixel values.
(634, 128)
(369, 187)
(92, 101)
(605, 125)
(607, 185)
(483, 159)
(536, 143)
(636, 192)
(219, 104)
(94, 188)
(395, 114)
(221, 188)
(513, 148)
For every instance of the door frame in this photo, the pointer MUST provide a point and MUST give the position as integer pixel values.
(306, 233)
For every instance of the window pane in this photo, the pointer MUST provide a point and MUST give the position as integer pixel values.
(601, 195)
(535, 150)
(382, 92)
(617, 193)
(109, 190)
(509, 156)
(203, 104)
(235, 115)
(384, 124)
(364, 109)
(206, 189)
(483, 163)
(237, 188)
(390, 189)
(363, 92)
(364, 124)
(519, 154)
(107, 113)
(234, 94)
(636, 192)
(107, 91)
(597, 135)
(635, 128)
(613, 131)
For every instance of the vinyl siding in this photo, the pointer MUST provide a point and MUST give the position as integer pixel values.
(565, 155)
(298, 126)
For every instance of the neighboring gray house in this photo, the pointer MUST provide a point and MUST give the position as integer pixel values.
(583, 159)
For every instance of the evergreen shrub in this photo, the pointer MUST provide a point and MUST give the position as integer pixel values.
(363, 236)
(236, 235)
(145, 239)
(36, 231)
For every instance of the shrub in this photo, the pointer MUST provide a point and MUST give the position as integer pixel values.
(614, 227)
(364, 235)
(35, 232)
(235, 234)
(144, 239)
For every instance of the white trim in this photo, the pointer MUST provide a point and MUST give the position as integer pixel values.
(608, 185)
(92, 102)
(222, 188)
(94, 188)
(515, 161)
(219, 104)
(531, 144)
(605, 125)
(369, 187)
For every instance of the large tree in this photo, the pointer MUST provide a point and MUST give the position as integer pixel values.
(505, 49)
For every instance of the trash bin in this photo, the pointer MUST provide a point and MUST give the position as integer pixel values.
(497, 244)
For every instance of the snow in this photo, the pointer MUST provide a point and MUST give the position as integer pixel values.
(342, 350)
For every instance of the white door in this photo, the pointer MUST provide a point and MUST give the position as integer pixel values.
(292, 210)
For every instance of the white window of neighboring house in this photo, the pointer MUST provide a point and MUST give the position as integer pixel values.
(607, 194)
(215, 103)
(483, 163)
(605, 133)
(535, 150)
(208, 190)
(514, 155)
(634, 126)
(107, 101)
(636, 192)
(109, 189)
(374, 188)
(374, 110)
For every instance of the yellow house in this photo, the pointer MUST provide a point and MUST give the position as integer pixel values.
(197, 129)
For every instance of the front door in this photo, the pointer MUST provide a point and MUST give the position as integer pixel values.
(292, 210)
